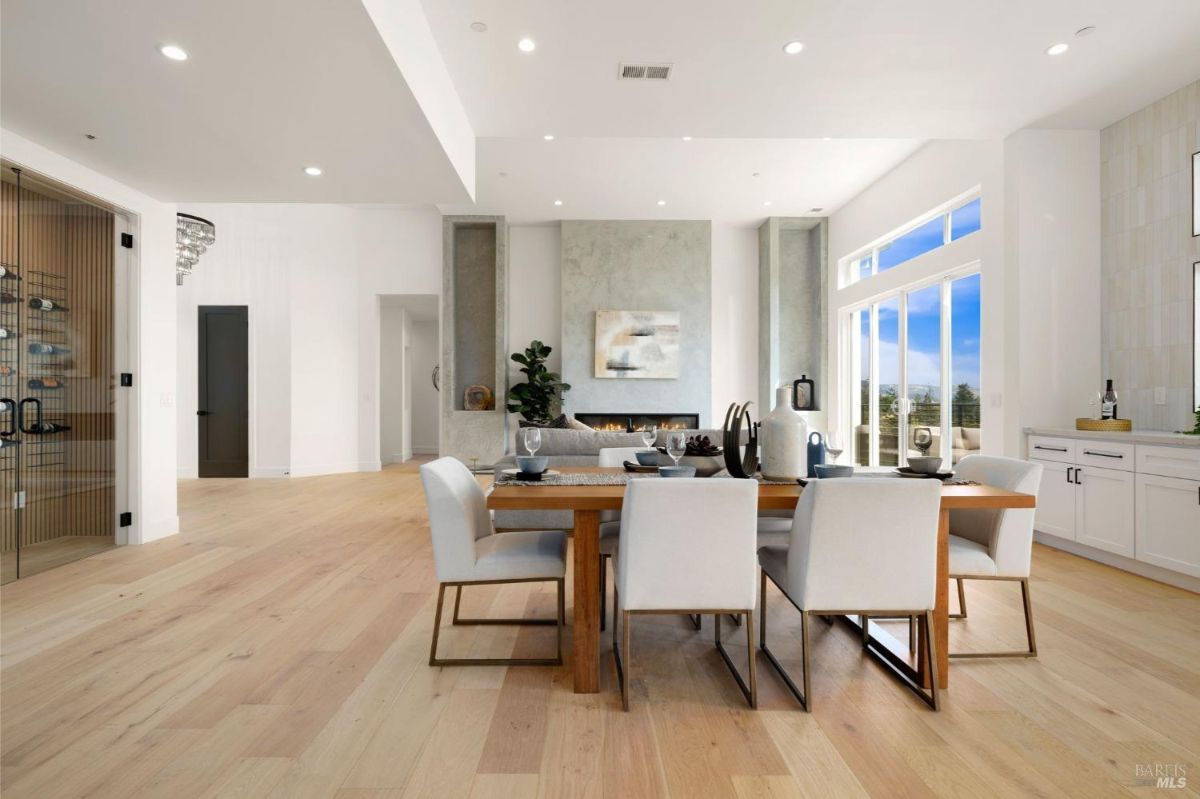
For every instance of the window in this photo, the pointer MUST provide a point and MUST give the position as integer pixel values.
(914, 372)
(953, 222)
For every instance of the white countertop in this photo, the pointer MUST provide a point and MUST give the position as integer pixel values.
(1159, 437)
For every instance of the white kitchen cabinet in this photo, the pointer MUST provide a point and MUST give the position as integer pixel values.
(1104, 515)
(1055, 513)
(1168, 522)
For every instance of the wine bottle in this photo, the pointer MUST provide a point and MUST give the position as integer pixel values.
(45, 383)
(6, 273)
(1108, 402)
(6, 298)
(6, 333)
(42, 348)
(43, 304)
(46, 428)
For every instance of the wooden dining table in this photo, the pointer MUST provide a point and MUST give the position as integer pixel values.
(587, 501)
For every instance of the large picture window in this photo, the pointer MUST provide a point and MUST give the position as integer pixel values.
(914, 372)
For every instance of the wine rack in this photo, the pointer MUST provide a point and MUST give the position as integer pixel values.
(44, 371)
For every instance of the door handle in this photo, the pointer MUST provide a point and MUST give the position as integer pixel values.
(38, 424)
(202, 413)
(9, 405)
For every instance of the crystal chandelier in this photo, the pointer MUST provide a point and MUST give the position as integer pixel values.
(193, 236)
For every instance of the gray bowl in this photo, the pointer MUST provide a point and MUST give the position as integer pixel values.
(647, 457)
(532, 464)
(833, 470)
(924, 465)
(677, 471)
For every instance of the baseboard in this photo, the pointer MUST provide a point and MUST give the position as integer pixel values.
(369, 466)
(321, 469)
(1147, 570)
(269, 471)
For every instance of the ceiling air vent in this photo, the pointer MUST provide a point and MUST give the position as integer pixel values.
(645, 71)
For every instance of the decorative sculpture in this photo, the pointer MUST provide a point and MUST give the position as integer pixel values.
(736, 463)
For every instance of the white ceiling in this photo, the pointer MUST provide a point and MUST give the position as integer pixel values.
(271, 87)
(621, 178)
(916, 69)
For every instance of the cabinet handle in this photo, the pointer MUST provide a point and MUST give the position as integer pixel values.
(1103, 454)
(1078, 474)
(1069, 469)
(1050, 449)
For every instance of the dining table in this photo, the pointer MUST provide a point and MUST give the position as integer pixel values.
(586, 502)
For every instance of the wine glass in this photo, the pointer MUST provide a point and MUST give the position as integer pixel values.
(676, 445)
(833, 445)
(533, 439)
(649, 433)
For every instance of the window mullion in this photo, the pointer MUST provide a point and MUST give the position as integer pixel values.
(947, 378)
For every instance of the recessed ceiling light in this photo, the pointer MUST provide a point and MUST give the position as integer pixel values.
(526, 45)
(549, 137)
(791, 48)
(662, 202)
(558, 202)
(766, 202)
(479, 27)
(1057, 49)
(312, 171)
(174, 52)
(1088, 31)
(826, 138)
(687, 138)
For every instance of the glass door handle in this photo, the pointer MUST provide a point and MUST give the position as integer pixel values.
(9, 405)
(202, 413)
(37, 425)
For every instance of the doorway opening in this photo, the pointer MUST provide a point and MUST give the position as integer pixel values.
(223, 393)
(409, 348)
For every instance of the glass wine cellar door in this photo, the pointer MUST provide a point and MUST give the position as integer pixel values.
(57, 388)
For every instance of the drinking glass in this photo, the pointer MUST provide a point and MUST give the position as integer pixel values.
(533, 439)
(676, 446)
(833, 445)
(649, 433)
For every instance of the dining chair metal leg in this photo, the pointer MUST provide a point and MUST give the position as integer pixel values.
(1031, 639)
(864, 623)
(749, 691)
(625, 673)
(962, 601)
(697, 619)
(806, 662)
(912, 634)
(559, 620)
(603, 590)
(801, 696)
(457, 602)
(931, 659)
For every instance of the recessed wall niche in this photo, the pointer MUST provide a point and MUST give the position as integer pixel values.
(474, 334)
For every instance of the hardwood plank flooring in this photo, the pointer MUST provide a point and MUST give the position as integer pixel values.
(278, 647)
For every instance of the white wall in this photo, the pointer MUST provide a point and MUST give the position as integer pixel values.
(734, 318)
(1053, 182)
(311, 275)
(938, 172)
(395, 396)
(423, 415)
(151, 320)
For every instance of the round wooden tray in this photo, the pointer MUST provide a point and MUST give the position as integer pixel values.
(1104, 425)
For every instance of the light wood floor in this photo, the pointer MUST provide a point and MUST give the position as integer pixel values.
(278, 648)
(37, 558)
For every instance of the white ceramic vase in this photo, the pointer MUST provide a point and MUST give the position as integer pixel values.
(783, 440)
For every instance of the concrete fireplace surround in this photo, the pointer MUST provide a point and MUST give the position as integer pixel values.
(638, 265)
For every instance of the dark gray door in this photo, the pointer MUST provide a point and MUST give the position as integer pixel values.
(222, 398)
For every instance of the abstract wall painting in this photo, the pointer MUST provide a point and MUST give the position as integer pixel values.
(637, 344)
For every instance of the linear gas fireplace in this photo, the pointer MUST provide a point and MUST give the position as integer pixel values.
(629, 422)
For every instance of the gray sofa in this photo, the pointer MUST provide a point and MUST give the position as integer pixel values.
(572, 448)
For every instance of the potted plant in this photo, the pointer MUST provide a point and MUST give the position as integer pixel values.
(542, 390)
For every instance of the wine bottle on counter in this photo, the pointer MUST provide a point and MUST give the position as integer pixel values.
(1108, 402)
(43, 383)
(43, 304)
(42, 348)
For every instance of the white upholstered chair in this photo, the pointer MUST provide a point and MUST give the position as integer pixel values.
(858, 546)
(995, 544)
(610, 521)
(467, 551)
(711, 522)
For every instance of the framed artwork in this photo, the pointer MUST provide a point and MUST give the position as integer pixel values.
(637, 344)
